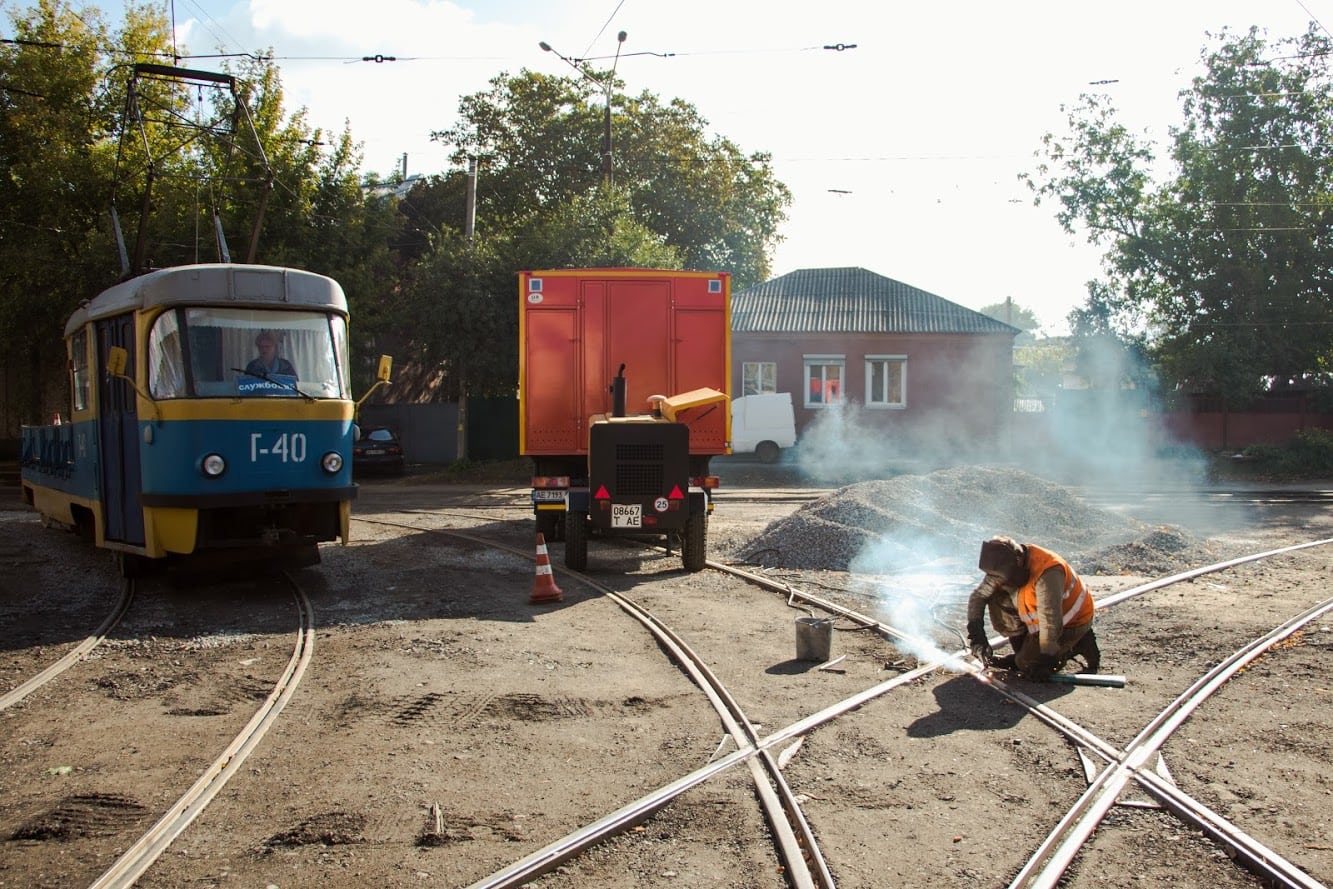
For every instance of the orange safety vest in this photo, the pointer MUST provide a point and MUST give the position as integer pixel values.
(1076, 606)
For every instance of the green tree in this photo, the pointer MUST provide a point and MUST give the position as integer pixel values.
(537, 140)
(680, 199)
(1219, 273)
(1041, 368)
(72, 147)
(53, 186)
(1014, 315)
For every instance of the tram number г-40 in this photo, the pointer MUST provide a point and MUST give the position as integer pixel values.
(285, 446)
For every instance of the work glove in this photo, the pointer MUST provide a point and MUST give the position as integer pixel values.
(1043, 668)
(977, 641)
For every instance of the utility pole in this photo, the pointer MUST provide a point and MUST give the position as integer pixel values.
(608, 150)
(470, 215)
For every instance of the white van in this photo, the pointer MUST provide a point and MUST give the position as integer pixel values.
(762, 424)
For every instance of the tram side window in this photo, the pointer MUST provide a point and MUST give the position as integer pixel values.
(166, 368)
(78, 364)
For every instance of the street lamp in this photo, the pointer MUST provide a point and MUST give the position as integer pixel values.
(608, 163)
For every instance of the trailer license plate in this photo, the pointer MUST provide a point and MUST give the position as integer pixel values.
(626, 515)
(548, 496)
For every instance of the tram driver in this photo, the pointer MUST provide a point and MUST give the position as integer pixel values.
(269, 362)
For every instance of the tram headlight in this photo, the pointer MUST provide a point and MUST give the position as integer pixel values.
(213, 465)
(332, 462)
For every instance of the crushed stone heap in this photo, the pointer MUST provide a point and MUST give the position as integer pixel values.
(941, 518)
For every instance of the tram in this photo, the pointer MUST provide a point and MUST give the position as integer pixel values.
(211, 418)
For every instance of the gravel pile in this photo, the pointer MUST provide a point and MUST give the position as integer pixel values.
(917, 521)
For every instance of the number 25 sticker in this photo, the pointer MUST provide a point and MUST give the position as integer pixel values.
(660, 504)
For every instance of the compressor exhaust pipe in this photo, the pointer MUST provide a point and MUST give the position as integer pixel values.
(618, 393)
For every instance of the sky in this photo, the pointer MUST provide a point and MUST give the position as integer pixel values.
(902, 150)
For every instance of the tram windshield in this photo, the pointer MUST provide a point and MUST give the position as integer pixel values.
(211, 352)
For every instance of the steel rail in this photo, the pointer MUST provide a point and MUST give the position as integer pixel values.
(546, 858)
(76, 654)
(1117, 598)
(622, 819)
(148, 848)
(781, 810)
(1257, 857)
(1048, 864)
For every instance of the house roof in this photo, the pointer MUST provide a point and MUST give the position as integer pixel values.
(851, 300)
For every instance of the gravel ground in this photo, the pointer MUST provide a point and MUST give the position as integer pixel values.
(447, 727)
(902, 523)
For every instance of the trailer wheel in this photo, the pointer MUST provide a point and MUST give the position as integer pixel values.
(576, 541)
(694, 542)
(767, 452)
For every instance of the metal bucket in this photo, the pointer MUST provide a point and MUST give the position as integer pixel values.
(814, 638)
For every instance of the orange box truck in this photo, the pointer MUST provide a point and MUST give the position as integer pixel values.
(624, 387)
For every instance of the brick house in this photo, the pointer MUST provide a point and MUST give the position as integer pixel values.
(924, 373)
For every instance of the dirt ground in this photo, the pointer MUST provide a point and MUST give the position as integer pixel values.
(446, 727)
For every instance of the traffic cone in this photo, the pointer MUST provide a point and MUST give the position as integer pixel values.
(544, 589)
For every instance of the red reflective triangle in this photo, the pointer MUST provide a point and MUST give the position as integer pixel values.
(602, 494)
(675, 493)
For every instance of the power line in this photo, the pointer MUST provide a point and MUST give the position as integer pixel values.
(606, 24)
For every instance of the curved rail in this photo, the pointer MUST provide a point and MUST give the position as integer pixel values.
(1257, 857)
(140, 856)
(781, 809)
(1053, 857)
(10, 698)
(1128, 764)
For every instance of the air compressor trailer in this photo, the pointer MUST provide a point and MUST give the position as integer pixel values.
(623, 394)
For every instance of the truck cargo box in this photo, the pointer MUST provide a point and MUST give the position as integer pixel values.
(670, 330)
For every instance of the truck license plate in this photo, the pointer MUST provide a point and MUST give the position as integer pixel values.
(548, 496)
(626, 515)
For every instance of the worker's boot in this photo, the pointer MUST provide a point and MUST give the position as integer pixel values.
(1086, 648)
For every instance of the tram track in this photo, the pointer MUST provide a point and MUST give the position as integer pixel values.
(76, 654)
(93, 807)
(1049, 862)
(797, 847)
(1122, 766)
(762, 742)
(1128, 764)
(141, 854)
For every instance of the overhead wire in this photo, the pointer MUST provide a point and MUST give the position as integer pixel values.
(605, 25)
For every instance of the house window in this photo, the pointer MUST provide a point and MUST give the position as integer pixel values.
(886, 381)
(823, 379)
(759, 377)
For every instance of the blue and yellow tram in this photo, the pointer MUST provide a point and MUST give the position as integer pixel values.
(211, 414)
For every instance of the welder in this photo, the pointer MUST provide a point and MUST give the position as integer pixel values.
(1039, 602)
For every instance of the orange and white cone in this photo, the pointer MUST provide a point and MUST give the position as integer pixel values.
(544, 589)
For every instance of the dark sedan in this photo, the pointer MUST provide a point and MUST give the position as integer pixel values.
(378, 449)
